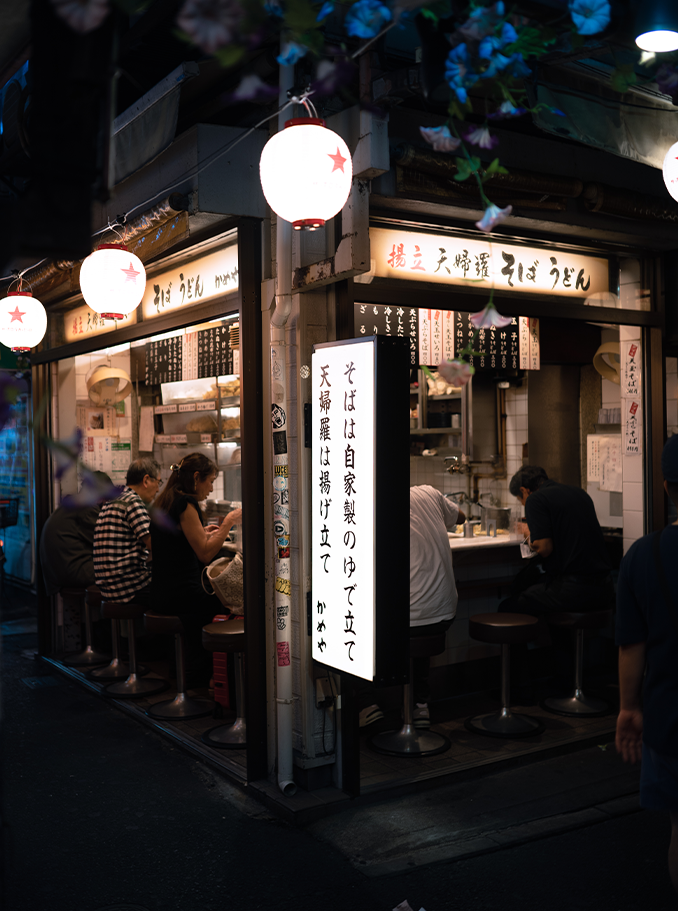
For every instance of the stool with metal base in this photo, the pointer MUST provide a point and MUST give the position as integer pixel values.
(409, 741)
(134, 686)
(116, 669)
(577, 703)
(504, 630)
(182, 706)
(228, 636)
(89, 656)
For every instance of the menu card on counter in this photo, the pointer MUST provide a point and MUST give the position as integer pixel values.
(437, 335)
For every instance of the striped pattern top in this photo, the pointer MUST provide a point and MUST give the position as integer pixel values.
(121, 564)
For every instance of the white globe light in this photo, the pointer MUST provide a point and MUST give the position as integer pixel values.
(112, 281)
(306, 173)
(23, 321)
(670, 170)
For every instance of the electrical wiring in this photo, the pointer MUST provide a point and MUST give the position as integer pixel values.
(302, 99)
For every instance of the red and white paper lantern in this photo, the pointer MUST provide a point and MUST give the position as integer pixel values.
(670, 170)
(112, 281)
(306, 173)
(23, 321)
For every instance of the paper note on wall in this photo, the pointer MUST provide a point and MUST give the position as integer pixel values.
(611, 464)
(593, 458)
(146, 429)
(604, 461)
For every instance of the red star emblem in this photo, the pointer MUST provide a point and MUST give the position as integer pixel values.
(131, 274)
(17, 314)
(338, 160)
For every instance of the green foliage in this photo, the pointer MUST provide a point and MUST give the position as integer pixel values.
(531, 42)
(466, 167)
(623, 77)
(495, 168)
(300, 17)
(229, 56)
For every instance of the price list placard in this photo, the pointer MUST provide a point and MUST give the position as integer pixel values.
(435, 335)
(164, 361)
(215, 357)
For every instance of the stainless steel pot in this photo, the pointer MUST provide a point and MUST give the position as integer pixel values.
(499, 515)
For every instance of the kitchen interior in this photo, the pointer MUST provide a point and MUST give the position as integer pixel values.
(565, 416)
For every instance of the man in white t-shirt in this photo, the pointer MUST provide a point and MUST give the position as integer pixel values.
(433, 591)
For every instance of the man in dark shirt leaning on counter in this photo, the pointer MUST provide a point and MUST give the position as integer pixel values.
(566, 535)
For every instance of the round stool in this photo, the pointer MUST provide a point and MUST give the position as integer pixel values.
(504, 630)
(182, 706)
(88, 657)
(116, 669)
(577, 703)
(228, 636)
(134, 686)
(409, 741)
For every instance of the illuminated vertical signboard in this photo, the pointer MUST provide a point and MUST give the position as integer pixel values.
(354, 507)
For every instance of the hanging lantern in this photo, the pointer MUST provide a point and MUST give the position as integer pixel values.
(112, 281)
(306, 173)
(23, 321)
(670, 170)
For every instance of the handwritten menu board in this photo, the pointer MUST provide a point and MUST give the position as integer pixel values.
(197, 355)
(164, 361)
(436, 335)
(215, 357)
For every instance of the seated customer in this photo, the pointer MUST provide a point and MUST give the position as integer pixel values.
(182, 546)
(567, 537)
(433, 590)
(122, 537)
(67, 545)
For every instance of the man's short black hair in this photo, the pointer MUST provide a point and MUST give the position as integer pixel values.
(529, 476)
(139, 468)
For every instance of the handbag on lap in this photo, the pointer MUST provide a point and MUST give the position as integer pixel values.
(226, 579)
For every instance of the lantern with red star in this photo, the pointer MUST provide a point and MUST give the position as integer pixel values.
(670, 170)
(23, 321)
(112, 281)
(306, 173)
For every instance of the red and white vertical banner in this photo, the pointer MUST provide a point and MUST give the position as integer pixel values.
(535, 358)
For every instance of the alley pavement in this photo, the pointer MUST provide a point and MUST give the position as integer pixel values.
(99, 813)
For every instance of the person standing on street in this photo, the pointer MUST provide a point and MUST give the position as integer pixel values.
(647, 636)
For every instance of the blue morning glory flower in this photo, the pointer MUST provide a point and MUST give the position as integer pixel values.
(291, 52)
(459, 74)
(366, 18)
(273, 8)
(590, 16)
(325, 10)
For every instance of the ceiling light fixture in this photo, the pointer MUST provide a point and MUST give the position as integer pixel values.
(657, 26)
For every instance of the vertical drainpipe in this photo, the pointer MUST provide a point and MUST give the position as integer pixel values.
(279, 423)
